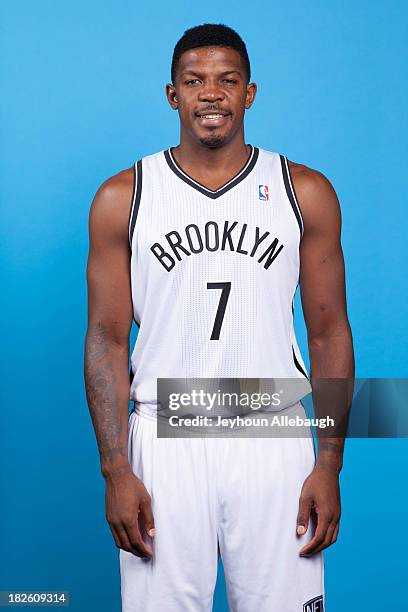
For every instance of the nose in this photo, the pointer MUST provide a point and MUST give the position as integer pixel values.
(211, 92)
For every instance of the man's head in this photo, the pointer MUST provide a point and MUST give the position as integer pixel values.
(210, 84)
(210, 35)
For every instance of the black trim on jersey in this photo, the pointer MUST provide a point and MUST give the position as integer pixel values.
(297, 364)
(134, 206)
(295, 360)
(290, 192)
(137, 186)
(132, 201)
(211, 193)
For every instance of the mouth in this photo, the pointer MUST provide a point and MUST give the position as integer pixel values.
(212, 118)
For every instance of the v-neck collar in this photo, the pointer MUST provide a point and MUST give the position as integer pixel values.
(212, 193)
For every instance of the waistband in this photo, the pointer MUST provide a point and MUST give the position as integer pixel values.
(150, 410)
(146, 410)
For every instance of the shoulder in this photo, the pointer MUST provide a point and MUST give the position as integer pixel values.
(309, 182)
(115, 192)
(111, 205)
(315, 195)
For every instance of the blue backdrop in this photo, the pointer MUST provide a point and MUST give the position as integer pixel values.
(83, 98)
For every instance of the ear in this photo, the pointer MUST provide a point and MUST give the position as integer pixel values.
(171, 96)
(250, 94)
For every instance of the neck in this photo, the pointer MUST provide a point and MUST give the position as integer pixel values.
(192, 154)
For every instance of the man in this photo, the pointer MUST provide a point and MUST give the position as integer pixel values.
(204, 245)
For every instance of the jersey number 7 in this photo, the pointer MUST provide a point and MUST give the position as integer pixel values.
(219, 317)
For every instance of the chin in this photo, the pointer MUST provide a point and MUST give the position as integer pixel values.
(213, 141)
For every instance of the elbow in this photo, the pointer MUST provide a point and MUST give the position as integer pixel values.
(107, 336)
(331, 334)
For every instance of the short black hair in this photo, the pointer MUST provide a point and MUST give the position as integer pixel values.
(210, 35)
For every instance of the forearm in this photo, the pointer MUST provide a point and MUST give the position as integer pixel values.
(332, 375)
(107, 389)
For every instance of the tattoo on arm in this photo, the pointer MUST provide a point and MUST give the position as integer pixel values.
(102, 394)
(330, 455)
(334, 447)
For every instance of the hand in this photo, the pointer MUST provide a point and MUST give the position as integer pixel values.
(320, 496)
(129, 512)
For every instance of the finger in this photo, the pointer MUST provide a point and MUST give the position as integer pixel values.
(124, 543)
(133, 547)
(136, 540)
(302, 521)
(115, 535)
(146, 516)
(328, 538)
(335, 533)
(323, 523)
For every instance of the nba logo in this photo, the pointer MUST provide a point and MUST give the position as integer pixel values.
(314, 605)
(264, 193)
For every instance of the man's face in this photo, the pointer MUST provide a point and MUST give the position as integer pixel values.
(211, 94)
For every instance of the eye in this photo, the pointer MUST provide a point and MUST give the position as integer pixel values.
(191, 81)
(230, 81)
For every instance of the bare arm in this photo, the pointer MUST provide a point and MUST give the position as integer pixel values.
(323, 293)
(322, 285)
(106, 359)
(109, 323)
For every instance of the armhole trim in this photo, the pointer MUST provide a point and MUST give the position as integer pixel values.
(290, 192)
(297, 364)
(295, 359)
(136, 195)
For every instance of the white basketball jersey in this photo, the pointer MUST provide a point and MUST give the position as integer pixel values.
(214, 273)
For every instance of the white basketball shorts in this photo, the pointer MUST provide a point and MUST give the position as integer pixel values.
(237, 498)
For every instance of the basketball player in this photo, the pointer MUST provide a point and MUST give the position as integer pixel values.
(214, 216)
